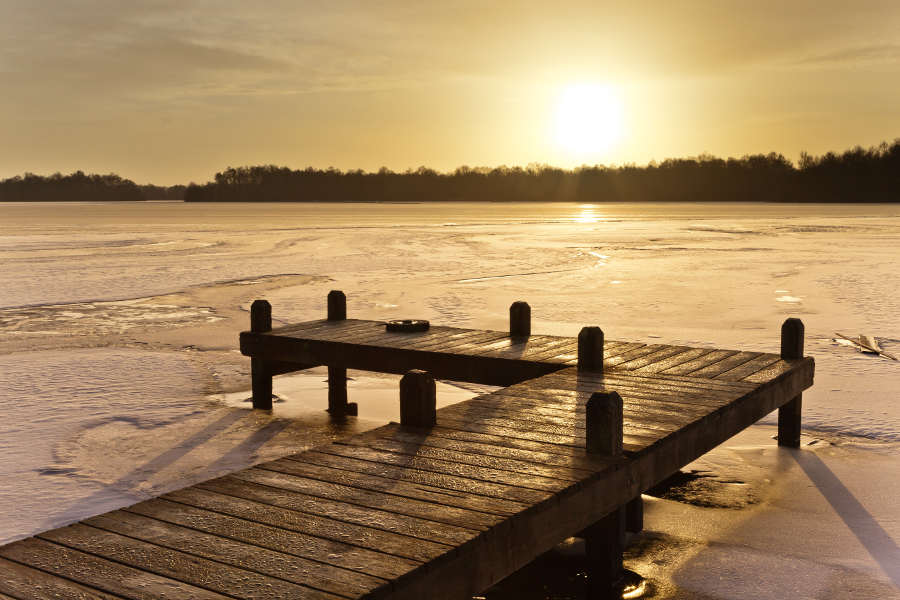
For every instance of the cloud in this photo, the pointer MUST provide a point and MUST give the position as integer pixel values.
(865, 54)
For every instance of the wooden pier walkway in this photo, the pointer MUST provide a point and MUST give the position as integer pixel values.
(445, 503)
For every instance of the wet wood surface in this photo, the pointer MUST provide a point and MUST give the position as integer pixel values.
(413, 512)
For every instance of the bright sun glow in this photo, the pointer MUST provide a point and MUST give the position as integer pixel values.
(588, 118)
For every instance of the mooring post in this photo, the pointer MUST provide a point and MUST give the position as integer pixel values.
(590, 349)
(792, 331)
(337, 376)
(337, 305)
(418, 401)
(260, 373)
(519, 320)
(604, 540)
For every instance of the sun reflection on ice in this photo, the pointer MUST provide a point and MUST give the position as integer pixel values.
(587, 215)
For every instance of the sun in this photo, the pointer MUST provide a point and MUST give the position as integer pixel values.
(589, 118)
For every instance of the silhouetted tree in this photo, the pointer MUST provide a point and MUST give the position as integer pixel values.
(858, 175)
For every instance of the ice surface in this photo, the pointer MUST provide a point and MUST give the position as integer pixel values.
(118, 322)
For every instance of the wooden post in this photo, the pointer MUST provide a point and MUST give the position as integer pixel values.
(603, 544)
(260, 373)
(337, 376)
(604, 541)
(590, 349)
(519, 320)
(418, 403)
(337, 305)
(603, 423)
(634, 515)
(792, 331)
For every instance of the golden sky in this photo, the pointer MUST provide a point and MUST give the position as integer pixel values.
(173, 91)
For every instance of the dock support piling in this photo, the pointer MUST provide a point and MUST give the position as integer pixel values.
(604, 540)
(603, 545)
(260, 372)
(418, 401)
(634, 515)
(337, 376)
(519, 320)
(590, 349)
(792, 332)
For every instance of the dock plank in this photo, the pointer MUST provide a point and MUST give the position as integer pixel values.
(476, 459)
(536, 454)
(257, 559)
(342, 511)
(364, 537)
(21, 581)
(415, 490)
(288, 541)
(450, 465)
(180, 566)
(107, 575)
(435, 479)
(451, 515)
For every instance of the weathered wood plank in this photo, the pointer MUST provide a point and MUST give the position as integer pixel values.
(692, 400)
(747, 368)
(725, 364)
(659, 353)
(20, 581)
(435, 337)
(686, 368)
(445, 465)
(518, 348)
(484, 437)
(633, 442)
(431, 478)
(640, 351)
(441, 513)
(420, 449)
(104, 574)
(190, 569)
(572, 420)
(391, 433)
(460, 338)
(342, 511)
(340, 554)
(562, 427)
(673, 360)
(552, 402)
(551, 350)
(357, 535)
(773, 371)
(655, 380)
(257, 559)
(670, 390)
(418, 491)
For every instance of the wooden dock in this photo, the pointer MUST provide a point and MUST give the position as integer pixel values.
(447, 502)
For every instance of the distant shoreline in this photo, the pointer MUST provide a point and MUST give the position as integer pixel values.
(856, 176)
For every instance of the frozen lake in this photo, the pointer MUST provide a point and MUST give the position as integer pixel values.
(118, 322)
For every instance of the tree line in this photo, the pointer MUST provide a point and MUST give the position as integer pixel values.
(857, 175)
(79, 187)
